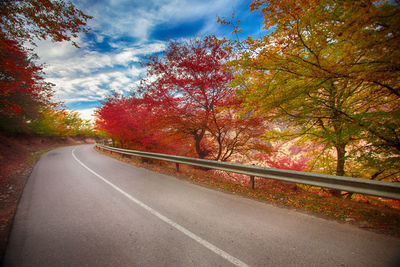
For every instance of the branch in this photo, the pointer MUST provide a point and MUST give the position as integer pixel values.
(391, 89)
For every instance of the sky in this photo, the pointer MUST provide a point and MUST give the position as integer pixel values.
(125, 32)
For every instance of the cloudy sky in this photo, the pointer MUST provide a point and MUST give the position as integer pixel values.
(123, 33)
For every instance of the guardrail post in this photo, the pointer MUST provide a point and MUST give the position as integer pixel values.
(177, 167)
(252, 182)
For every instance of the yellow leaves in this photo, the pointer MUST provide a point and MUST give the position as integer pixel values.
(61, 122)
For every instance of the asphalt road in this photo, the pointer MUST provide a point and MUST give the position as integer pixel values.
(81, 208)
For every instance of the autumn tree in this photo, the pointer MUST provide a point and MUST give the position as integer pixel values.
(61, 122)
(22, 89)
(188, 81)
(135, 123)
(234, 133)
(108, 118)
(330, 71)
(30, 20)
(23, 92)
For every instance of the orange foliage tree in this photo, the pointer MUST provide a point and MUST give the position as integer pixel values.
(329, 70)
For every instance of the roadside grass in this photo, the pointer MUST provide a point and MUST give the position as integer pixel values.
(367, 212)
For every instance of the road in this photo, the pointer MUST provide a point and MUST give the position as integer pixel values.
(82, 208)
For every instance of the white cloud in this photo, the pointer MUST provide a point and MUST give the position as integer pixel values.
(81, 73)
(87, 114)
(99, 37)
(63, 59)
(88, 75)
(48, 50)
(139, 18)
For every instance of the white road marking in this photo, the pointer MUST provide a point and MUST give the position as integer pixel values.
(177, 226)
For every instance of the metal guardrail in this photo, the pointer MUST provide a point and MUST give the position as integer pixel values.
(349, 184)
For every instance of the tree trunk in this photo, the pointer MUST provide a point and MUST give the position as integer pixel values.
(197, 139)
(219, 147)
(340, 161)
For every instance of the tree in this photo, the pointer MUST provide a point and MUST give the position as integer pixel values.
(235, 133)
(23, 92)
(61, 122)
(108, 118)
(41, 19)
(136, 123)
(22, 89)
(191, 86)
(330, 71)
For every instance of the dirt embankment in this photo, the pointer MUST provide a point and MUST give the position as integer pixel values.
(18, 155)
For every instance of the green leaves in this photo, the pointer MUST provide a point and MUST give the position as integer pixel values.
(61, 123)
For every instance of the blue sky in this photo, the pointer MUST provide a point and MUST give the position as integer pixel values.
(123, 33)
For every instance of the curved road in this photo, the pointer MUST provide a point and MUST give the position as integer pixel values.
(81, 208)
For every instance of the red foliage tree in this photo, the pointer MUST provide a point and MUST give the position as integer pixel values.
(31, 20)
(192, 87)
(22, 89)
(23, 93)
(135, 123)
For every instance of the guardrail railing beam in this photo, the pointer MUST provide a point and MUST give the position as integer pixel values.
(348, 184)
